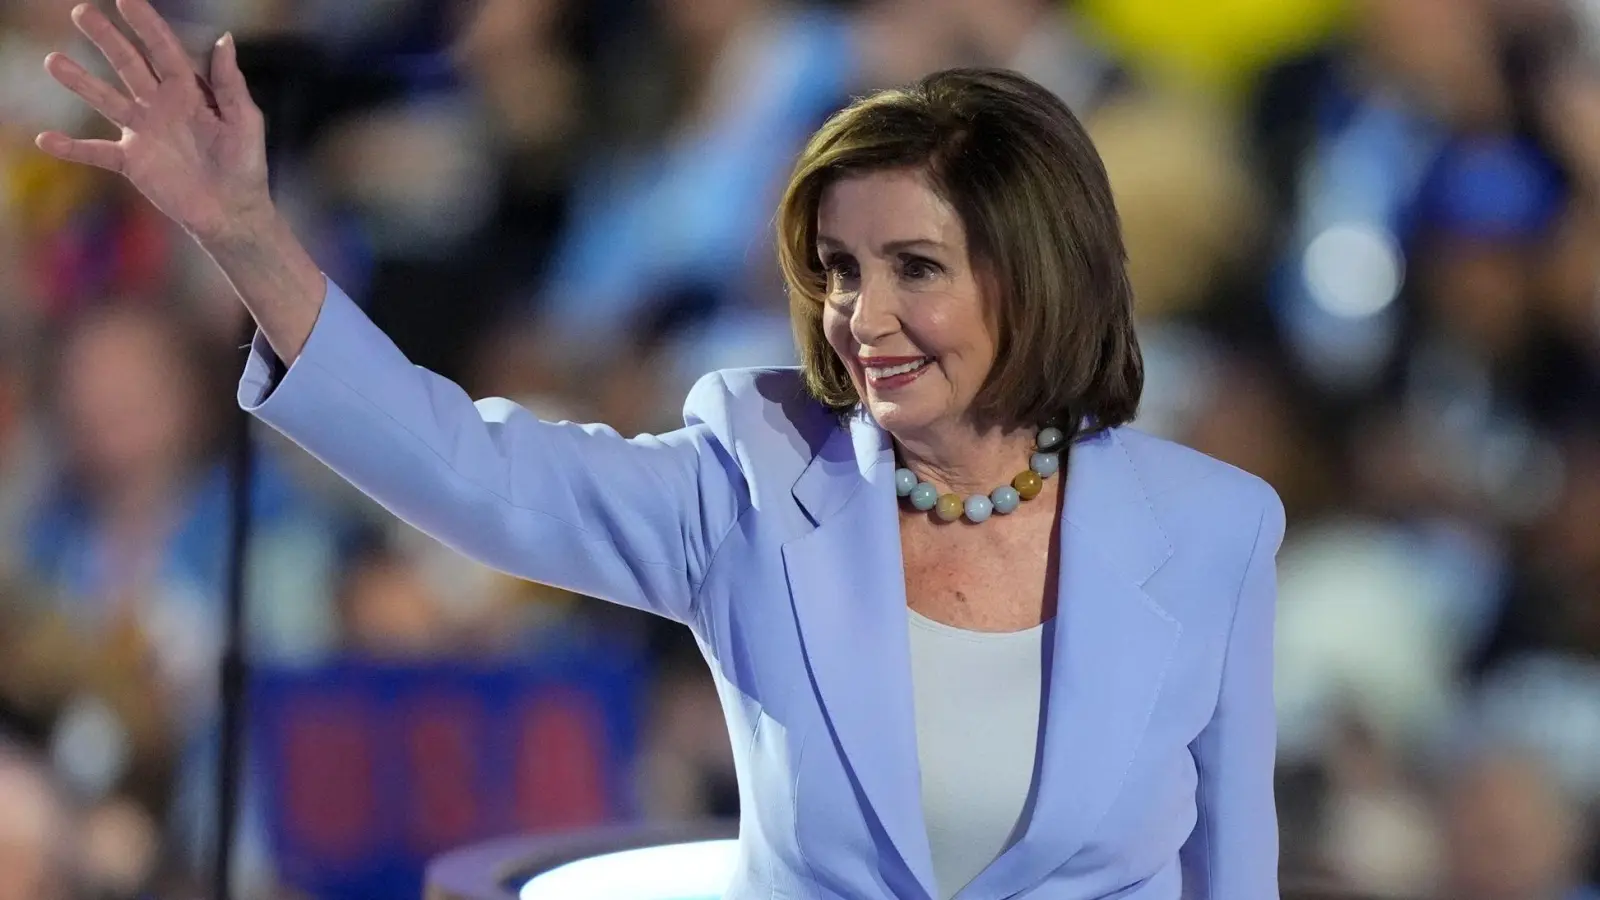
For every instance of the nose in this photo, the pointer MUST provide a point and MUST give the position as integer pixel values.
(873, 318)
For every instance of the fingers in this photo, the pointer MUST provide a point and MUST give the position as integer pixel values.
(228, 84)
(100, 154)
(167, 55)
(107, 100)
(125, 58)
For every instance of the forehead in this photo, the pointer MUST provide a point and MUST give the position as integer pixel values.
(879, 207)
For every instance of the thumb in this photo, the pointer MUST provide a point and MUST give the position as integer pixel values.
(227, 81)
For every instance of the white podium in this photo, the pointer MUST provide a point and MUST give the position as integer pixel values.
(693, 862)
(689, 862)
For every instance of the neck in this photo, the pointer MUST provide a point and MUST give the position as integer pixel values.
(966, 461)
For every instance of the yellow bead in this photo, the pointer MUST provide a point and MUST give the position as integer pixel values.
(1028, 484)
(950, 507)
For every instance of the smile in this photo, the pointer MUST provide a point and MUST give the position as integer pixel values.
(903, 368)
(896, 374)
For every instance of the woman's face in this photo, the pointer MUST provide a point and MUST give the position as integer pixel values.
(126, 400)
(904, 309)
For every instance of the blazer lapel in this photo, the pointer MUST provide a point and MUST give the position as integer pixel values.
(847, 584)
(1112, 646)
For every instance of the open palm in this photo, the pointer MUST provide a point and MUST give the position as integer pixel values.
(194, 149)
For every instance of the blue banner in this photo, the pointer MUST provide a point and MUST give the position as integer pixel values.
(370, 770)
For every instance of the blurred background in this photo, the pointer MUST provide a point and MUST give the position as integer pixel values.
(1364, 239)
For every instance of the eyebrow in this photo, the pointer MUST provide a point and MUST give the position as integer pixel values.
(889, 248)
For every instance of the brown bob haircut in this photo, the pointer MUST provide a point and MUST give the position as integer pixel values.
(1021, 172)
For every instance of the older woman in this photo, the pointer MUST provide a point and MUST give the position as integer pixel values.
(948, 666)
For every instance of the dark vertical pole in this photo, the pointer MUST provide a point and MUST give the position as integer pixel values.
(230, 756)
(279, 87)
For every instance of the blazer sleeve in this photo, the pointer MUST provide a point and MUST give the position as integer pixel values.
(1233, 852)
(634, 521)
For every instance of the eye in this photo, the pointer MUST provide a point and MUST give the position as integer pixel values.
(918, 268)
(840, 269)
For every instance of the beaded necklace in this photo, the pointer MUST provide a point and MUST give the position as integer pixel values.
(1043, 463)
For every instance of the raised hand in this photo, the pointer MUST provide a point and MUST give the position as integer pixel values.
(194, 149)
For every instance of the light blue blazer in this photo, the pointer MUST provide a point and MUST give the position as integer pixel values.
(771, 530)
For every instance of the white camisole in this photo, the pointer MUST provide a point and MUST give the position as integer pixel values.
(978, 702)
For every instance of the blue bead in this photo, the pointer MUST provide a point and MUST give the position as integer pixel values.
(978, 508)
(1005, 499)
(924, 496)
(1050, 439)
(1045, 464)
(904, 481)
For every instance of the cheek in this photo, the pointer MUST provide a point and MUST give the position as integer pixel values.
(958, 335)
(836, 328)
(834, 323)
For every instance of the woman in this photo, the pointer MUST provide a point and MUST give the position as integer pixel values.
(939, 675)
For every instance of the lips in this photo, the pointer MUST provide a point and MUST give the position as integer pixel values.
(889, 373)
(880, 368)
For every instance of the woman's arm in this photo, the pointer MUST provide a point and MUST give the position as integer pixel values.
(274, 276)
(579, 507)
(1233, 852)
(196, 148)
(576, 506)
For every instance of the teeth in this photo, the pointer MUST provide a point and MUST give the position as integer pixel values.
(889, 371)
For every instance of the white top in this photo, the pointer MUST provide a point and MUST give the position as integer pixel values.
(978, 704)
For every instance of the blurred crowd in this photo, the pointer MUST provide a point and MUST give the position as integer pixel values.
(1363, 235)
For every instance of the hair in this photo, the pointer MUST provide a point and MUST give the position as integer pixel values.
(1032, 194)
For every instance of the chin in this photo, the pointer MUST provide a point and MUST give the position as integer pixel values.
(898, 416)
(909, 409)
